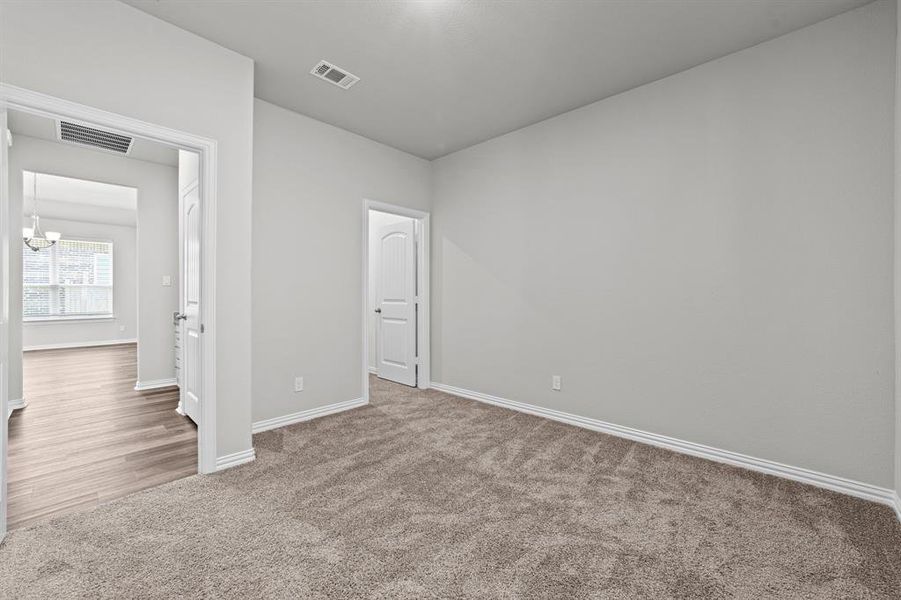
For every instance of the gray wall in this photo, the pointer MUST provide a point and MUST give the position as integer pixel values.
(309, 182)
(125, 288)
(707, 257)
(898, 252)
(111, 56)
(157, 245)
(726, 236)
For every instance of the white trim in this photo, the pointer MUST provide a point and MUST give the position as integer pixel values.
(66, 345)
(307, 415)
(55, 108)
(4, 311)
(423, 261)
(896, 504)
(17, 404)
(68, 319)
(154, 384)
(822, 480)
(233, 460)
(373, 371)
(206, 439)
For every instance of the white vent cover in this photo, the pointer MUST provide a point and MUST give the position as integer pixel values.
(334, 74)
(82, 135)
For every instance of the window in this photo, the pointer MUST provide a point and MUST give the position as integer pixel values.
(72, 279)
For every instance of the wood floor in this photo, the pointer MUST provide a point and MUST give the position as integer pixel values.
(87, 437)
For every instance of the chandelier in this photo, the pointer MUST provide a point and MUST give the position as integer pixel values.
(33, 236)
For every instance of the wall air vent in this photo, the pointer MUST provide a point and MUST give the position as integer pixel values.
(82, 135)
(333, 74)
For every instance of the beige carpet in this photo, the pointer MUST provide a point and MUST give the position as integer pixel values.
(422, 495)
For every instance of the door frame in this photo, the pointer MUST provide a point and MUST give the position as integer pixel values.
(24, 100)
(4, 313)
(423, 318)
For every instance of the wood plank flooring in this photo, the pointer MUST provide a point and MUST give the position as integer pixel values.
(87, 437)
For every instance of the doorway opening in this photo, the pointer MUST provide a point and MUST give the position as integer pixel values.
(154, 371)
(395, 295)
(95, 351)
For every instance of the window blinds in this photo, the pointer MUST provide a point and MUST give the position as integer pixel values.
(71, 279)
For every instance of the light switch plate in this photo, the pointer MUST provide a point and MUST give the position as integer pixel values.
(167, 280)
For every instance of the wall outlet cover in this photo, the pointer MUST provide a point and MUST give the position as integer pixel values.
(555, 383)
(298, 384)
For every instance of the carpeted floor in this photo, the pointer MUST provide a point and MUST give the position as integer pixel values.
(423, 495)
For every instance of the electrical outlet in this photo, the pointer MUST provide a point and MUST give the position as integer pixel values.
(555, 383)
(121, 327)
(298, 384)
(167, 280)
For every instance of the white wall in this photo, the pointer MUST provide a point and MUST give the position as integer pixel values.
(310, 180)
(377, 220)
(157, 258)
(87, 213)
(707, 257)
(111, 56)
(157, 246)
(125, 288)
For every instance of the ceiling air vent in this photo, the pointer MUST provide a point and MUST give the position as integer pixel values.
(83, 135)
(335, 75)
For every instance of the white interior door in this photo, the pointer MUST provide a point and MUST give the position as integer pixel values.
(4, 312)
(396, 303)
(189, 337)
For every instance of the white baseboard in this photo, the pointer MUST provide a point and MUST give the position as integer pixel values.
(239, 458)
(306, 415)
(154, 384)
(865, 491)
(16, 404)
(233, 460)
(78, 345)
(373, 370)
(897, 505)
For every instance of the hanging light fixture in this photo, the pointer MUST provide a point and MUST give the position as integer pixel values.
(33, 236)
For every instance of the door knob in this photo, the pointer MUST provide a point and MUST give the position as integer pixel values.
(378, 310)
(179, 316)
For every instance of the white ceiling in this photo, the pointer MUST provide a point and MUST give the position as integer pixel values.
(44, 128)
(441, 75)
(79, 199)
(78, 191)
